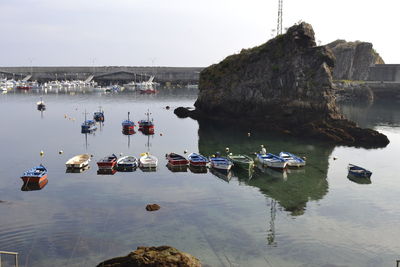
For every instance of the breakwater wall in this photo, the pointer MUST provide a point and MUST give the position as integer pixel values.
(105, 74)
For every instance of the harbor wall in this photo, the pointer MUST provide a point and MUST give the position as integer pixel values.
(385, 73)
(182, 75)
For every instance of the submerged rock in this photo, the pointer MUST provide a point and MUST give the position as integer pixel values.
(152, 207)
(163, 256)
(283, 85)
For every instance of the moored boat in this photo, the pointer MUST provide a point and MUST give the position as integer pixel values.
(292, 160)
(220, 163)
(176, 160)
(128, 125)
(127, 162)
(146, 126)
(41, 105)
(34, 186)
(241, 160)
(99, 116)
(271, 160)
(107, 162)
(197, 160)
(148, 161)
(35, 175)
(88, 126)
(78, 161)
(358, 171)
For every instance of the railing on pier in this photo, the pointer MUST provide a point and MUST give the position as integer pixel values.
(10, 253)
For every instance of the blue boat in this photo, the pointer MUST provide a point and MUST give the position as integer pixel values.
(220, 163)
(35, 175)
(99, 116)
(128, 125)
(271, 160)
(358, 171)
(292, 159)
(88, 126)
(197, 160)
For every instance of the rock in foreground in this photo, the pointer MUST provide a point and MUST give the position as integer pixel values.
(163, 256)
(283, 85)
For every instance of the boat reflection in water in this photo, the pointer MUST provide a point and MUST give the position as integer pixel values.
(275, 173)
(226, 176)
(243, 174)
(177, 168)
(197, 169)
(125, 169)
(77, 170)
(34, 186)
(106, 171)
(359, 180)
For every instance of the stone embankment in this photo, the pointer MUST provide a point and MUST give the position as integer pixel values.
(284, 85)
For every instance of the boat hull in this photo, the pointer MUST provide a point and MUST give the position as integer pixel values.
(34, 179)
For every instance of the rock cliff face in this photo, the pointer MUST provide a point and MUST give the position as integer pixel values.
(285, 85)
(353, 59)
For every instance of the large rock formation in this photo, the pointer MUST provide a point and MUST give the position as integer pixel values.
(353, 59)
(163, 256)
(285, 85)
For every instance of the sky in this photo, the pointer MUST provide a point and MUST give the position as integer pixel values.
(178, 33)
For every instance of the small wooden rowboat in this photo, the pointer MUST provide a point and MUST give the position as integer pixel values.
(221, 164)
(358, 171)
(78, 161)
(148, 161)
(197, 160)
(272, 161)
(292, 160)
(176, 160)
(127, 162)
(35, 175)
(107, 162)
(242, 161)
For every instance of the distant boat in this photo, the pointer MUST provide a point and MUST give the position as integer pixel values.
(146, 126)
(271, 160)
(107, 162)
(78, 161)
(358, 171)
(41, 105)
(35, 175)
(128, 125)
(176, 160)
(241, 160)
(292, 160)
(197, 160)
(148, 161)
(220, 163)
(127, 162)
(99, 116)
(88, 126)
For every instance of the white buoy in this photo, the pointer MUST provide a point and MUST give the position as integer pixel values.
(248, 134)
(60, 152)
(227, 149)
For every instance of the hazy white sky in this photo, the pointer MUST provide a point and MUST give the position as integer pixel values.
(177, 32)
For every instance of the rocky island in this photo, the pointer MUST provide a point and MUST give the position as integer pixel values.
(284, 85)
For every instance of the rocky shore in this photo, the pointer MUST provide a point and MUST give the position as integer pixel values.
(284, 85)
(163, 256)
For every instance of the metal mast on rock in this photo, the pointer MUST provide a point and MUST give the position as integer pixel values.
(279, 26)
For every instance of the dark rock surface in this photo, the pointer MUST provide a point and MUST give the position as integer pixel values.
(353, 92)
(283, 85)
(353, 59)
(163, 256)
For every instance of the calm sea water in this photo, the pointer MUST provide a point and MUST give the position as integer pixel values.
(314, 216)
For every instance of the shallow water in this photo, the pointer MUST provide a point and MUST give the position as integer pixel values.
(314, 216)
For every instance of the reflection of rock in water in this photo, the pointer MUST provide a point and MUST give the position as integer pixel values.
(300, 186)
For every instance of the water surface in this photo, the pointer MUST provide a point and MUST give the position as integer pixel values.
(314, 216)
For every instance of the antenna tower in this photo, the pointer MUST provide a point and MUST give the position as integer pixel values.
(279, 26)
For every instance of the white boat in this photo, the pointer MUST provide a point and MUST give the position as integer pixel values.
(127, 162)
(148, 161)
(78, 161)
(221, 163)
(292, 160)
(271, 160)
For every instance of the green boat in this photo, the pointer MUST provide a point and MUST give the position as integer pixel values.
(242, 161)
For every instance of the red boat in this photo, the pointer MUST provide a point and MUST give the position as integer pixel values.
(24, 87)
(35, 175)
(176, 160)
(128, 125)
(146, 126)
(107, 162)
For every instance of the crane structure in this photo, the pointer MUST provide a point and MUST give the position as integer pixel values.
(279, 26)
